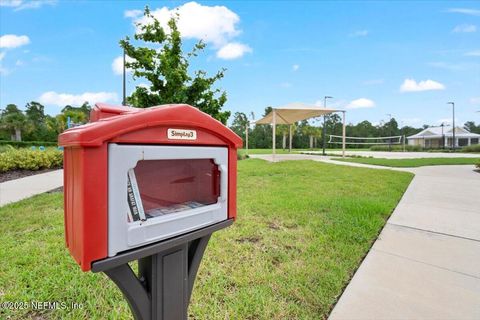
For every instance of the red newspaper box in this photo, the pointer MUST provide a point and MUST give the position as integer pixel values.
(133, 177)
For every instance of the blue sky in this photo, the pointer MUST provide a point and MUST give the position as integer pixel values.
(375, 58)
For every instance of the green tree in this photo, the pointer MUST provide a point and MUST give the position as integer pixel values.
(35, 112)
(76, 117)
(166, 68)
(36, 129)
(239, 124)
(470, 126)
(261, 136)
(85, 108)
(14, 121)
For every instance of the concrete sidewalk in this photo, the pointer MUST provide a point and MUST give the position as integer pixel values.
(426, 262)
(18, 189)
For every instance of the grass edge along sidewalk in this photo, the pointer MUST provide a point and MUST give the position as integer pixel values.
(303, 229)
(410, 163)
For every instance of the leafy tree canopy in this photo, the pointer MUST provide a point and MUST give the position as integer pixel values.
(163, 63)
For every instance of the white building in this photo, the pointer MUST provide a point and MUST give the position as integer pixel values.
(439, 137)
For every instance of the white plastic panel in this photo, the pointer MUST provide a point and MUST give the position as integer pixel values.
(124, 234)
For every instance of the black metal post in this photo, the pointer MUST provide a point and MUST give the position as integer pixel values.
(443, 137)
(453, 121)
(453, 124)
(166, 274)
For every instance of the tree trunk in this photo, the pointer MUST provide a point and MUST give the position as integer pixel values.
(315, 142)
(311, 142)
(18, 134)
(284, 141)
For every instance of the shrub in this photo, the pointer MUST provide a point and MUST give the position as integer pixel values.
(26, 159)
(22, 144)
(242, 155)
(472, 148)
(396, 148)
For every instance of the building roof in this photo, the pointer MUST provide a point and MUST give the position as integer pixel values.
(436, 132)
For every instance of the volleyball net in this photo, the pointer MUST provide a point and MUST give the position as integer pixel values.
(392, 140)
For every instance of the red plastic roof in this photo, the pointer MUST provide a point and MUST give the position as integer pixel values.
(108, 122)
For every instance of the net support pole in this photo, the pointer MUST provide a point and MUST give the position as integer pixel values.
(274, 124)
(343, 135)
(290, 138)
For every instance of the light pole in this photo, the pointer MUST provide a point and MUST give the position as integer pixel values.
(443, 136)
(453, 124)
(324, 130)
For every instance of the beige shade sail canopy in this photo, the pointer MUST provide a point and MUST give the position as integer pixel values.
(294, 112)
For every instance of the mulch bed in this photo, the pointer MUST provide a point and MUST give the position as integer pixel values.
(17, 174)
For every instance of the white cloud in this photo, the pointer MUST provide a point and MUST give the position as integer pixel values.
(63, 99)
(295, 67)
(410, 85)
(233, 50)
(465, 28)
(216, 25)
(117, 65)
(132, 13)
(475, 100)
(361, 103)
(2, 55)
(285, 85)
(471, 12)
(19, 63)
(11, 41)
(359, 33)
(22, 4)
(474, 53)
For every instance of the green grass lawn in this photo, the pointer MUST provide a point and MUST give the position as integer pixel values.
(303, 228)
(419, 162)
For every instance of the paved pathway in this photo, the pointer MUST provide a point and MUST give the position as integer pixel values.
(426, 262)
(18, 189)
(401, 155)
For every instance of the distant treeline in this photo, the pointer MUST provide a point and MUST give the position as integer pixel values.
(306, 135)
(32, 124)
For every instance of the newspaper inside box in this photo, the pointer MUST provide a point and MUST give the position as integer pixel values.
(156, 192)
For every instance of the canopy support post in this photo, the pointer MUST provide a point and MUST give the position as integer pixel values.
(343, 135)
(274, 124)
(290, 136)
